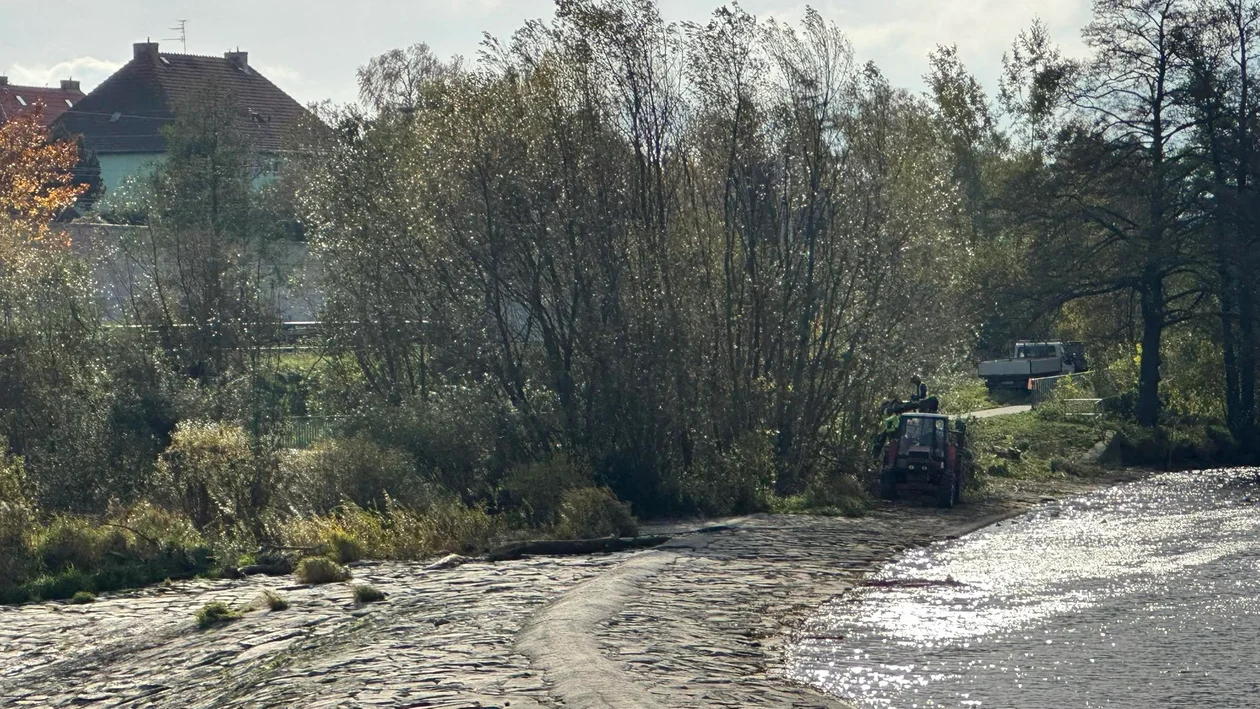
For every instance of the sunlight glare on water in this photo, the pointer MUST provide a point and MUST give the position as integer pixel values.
(1142, 595)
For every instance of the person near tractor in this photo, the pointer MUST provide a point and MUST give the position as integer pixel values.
(920, 399)
(889, 429)
(920, 389)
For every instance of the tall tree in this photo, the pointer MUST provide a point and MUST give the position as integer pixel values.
(1221, 52)
(52, 405)
(965, 120)
(1128, 189)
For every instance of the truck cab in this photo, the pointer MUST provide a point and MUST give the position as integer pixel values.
(1070, 354)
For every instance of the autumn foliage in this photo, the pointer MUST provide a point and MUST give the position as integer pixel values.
(36, 173)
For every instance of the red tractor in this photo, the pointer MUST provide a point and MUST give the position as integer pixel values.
(924, 450)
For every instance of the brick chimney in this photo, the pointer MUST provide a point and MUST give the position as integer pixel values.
(239, 58)
(69, 85)
(4, 81)
(145, 50)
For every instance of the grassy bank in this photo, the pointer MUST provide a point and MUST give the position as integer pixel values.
(217, 502)
(1030, 446)
(56, 557)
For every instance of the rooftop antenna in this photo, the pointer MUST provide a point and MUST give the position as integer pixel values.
(182, 29)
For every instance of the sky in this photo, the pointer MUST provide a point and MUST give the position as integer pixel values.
(311, 48)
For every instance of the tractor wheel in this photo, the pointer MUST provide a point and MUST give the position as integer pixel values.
(947, 492)
(888, 485)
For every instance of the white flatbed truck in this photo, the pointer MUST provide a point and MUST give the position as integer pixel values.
(1032, 360)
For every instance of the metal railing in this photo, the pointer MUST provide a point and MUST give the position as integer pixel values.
(306, 431)
(1042, 388)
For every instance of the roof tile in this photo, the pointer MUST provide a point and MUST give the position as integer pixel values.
(19, 99)
(126, 113)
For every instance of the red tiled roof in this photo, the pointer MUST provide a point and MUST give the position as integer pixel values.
(127, 112)
(53, 102)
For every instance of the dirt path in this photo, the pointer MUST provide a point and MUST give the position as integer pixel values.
(697, 623)
(705, 627)
(1002, 411)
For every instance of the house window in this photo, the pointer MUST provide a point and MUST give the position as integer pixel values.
(21, 100)
(71, 105)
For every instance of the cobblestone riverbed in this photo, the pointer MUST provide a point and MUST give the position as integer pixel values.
(698, 622)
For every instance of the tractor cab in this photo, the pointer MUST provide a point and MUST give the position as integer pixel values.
(924, 450)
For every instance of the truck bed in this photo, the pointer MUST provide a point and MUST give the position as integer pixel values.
(1026, 367)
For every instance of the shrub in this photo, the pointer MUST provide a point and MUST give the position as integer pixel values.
(17, 522)
(352, 469)
(963, 393)
(535, 489)
(451, 527)
(837, 494)
(136, 546)
(216, 613)
(594, 512)
(348, 534)
(274, 601)
(64, 584)
(16, 559)
(320, 569)
(456, 436)
(999, 470)
(157, 524)
(834, 495)
(70, 542)
(365, 593)
(345, 548)
(213, 474)
(736, 480)
(83, 598)
(13, 483)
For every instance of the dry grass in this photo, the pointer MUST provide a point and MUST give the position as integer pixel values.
(365, 593)
(320, 569)
(594, 512)
(274, 601)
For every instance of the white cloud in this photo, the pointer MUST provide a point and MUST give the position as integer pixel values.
(279, 73)
(899, 34)
(90, 71)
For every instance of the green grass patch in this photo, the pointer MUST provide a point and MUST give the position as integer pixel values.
(1031, 447)
(834, 495)
(366, 593)
(216, 613)
(83, 598)
(320, 569)
(965, 394)
(56, 557)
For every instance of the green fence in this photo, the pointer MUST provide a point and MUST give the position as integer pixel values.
(306, 431)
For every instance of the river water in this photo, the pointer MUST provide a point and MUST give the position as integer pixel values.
(1142, 595)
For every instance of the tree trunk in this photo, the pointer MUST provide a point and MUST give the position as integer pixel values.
(1152, 296)
(1229, 340)
(1247, 360)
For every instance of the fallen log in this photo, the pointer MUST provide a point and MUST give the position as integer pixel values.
(568, 547)
(267, 569)
(912, 583)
